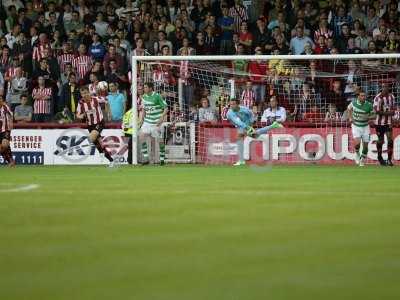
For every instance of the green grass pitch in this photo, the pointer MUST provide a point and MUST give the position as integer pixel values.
(200, 233)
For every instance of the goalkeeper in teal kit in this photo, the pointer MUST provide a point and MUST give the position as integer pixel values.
(243, 118)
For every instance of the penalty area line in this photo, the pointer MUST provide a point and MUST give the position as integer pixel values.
(18, 188)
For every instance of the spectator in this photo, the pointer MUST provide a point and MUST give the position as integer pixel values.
(392, 46)
(206, 113)
(372, 20)
(23, 112)
(97, 50)
(210, 40)
(226, 23)
(248, 97)
(100, 25)
(256, 113)
(298, 42)
(82, 63)
(64, 76)
(42, 101)
(339, 19)
(5, 58)
(323, 29)
(245, 36)
(12, 36)
(280, 46)
(39, 47)
(258, 71)
(200, 46)
(162, 41)
(1, 84)
(332, 115)
(352, 77)
(66, 56)
(380, 30)
(52, 62)
(300, 23)
(342, 41)
(116, 103)
(274, 112)
(115, 74)
(43, 71)
(336, 96)
(19, 86)
(357, 14)
(70, 96)
(362, 40)
(186, 49)
(320, 48)
(239, 14)
(53, 25)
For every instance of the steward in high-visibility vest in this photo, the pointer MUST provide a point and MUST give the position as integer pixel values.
(127, 128)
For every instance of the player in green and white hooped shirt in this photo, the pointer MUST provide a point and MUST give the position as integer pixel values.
(151, 117)
(360, 113)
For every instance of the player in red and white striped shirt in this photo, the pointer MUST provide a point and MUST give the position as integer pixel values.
(82, 63)
(42, 97)
(5, 132)
(384, 109)
(248, 97)
(90, 110)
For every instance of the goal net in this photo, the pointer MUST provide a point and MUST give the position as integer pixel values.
(311, 94)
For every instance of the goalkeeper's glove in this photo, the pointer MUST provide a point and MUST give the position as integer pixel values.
(250, 130)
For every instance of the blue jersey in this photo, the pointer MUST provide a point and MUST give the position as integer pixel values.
(241, 118)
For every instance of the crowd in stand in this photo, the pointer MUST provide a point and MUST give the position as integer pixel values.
(48, 49)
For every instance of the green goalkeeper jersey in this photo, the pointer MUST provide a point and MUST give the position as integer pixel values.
(154, 106)
(361, 112)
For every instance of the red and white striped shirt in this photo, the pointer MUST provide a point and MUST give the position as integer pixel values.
(92, 111)
(82, 64)
(42, 100)
(9, 75)
(239, 15)
(248, 98)
(64, 59)
(11, 72)
(5, 118)
(327, 33)
(39, 49)
(5, 60)
(383, 104)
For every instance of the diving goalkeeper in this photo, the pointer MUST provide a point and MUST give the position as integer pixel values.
(243, 118)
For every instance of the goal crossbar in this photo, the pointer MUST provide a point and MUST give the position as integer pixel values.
(268, 57)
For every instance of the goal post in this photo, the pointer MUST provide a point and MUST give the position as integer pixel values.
(185, 81)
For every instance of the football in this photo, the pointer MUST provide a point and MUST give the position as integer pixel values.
(102, 86)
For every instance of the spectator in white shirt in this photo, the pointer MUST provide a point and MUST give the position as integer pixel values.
(206, 113)
(274, 112)
(100, 25)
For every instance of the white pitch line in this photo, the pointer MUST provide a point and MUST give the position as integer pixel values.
(20, 188)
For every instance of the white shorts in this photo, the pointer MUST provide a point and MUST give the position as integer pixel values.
(151, 129)
(361, 132)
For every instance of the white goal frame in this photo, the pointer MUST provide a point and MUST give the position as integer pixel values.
(136, 59)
